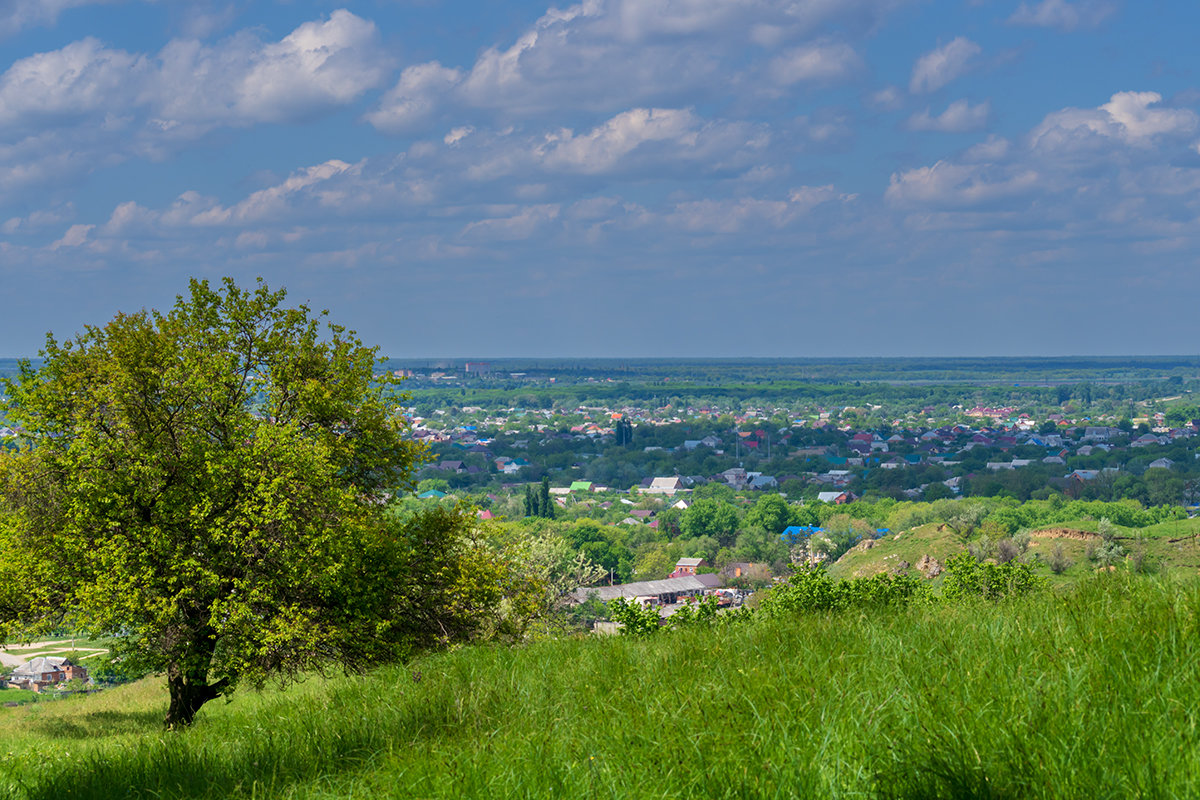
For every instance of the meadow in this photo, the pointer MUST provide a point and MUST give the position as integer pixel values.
(1088, 691)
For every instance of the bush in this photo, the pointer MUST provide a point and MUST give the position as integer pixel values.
(635, 619)
(812, 589)
(1007, 550)
(1058, 561)
(1109, 553)
(966, 577)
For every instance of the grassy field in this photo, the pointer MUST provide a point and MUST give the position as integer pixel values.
(1094, 692)
(1172, 547)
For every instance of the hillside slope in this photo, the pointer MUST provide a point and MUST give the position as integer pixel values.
(1041, 699)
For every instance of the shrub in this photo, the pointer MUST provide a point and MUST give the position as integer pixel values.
(812, 590)
(1109, 553)
(635, 619)
(700, 613)
(1058, 561)
(1007, 550)
(966, 577)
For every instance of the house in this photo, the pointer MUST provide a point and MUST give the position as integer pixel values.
(580, 486)
(1162, 463)
(665, 591)
(667, 486)
(46, 671)
(762, 482)
(837, 498)
(735, 477)
(688, 566)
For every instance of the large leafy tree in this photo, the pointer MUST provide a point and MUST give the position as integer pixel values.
(209, 486)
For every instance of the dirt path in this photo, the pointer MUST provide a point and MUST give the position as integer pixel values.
(14, 655)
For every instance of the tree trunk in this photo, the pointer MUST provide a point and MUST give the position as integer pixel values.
(189, 690)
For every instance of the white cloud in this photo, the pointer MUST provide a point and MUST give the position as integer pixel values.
(318, 65)
(815, 61)
(522, 224)
(946, 184)
(603, 147)
(75, 236)
(604, 55)
(415, 97)
(1062, 14)
(959, 117)
(271, 203)
(639, 141)
(82, 78)
(737, 215)
(16, 15)
(37, 220)
(940, 66)
(67, 112)
(889, 98)
(457, 135)
(188, 88)
(1128, 116)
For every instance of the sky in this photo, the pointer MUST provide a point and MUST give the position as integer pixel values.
(489, 178)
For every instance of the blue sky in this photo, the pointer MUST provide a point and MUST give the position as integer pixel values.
(616, 177)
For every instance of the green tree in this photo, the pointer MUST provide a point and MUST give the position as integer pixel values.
(545, 504)
(770, 512)
(207, 485)
(710, 517)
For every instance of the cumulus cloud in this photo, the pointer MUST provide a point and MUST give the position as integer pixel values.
(959, 117)
(659, 142)
(1132, 117)
(603, 55)
(70, 111)
(600, 149)
(1116, 170)
(950, 185)
(815, 61)
(188, 88)
(80, 79)
(941, 65)
(1062, 14)
(75, 236)
(414, 98)
(318, 65)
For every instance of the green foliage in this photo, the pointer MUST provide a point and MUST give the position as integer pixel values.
(107, 669)
(207, 486)
(634, 618)
(705, 611)
(966, 577)
(709, 516)
(545, 505)
(812, 589)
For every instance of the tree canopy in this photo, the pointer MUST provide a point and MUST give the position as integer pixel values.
(209, 485)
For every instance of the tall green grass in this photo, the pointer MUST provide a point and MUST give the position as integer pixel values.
(1095, 693)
